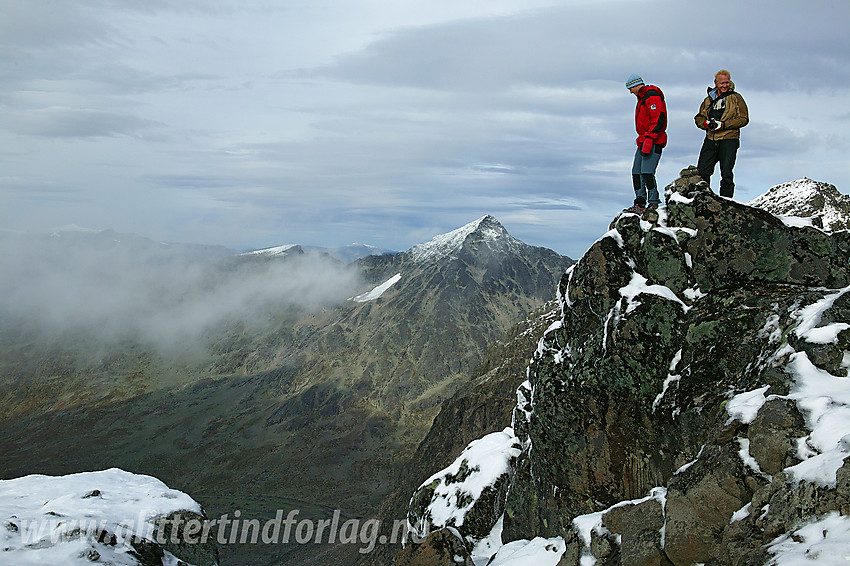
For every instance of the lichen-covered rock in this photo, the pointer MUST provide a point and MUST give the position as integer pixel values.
(665, 319)
(736, 245)
(604, 549)
(573, 547)
(827, 355)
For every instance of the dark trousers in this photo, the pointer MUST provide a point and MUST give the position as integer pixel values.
(724, 151)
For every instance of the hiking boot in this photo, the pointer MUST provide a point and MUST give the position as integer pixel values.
(635, 209)
(651, 207)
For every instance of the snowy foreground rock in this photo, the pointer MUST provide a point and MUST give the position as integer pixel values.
(105, 517)
(691, 405)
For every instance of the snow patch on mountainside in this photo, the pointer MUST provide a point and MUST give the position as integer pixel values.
(275, 251)
(377, 291)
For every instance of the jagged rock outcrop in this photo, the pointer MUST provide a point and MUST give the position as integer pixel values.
(469, 495)
(702, 357)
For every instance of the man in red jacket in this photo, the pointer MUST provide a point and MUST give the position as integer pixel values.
(651, 127)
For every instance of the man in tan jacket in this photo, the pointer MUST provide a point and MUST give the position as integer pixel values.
(722, 115)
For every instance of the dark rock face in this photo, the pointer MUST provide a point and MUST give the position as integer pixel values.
(773, 434)
(701, 501)
(665, 320)
(442, 548)
(184, 542)
(640, 526)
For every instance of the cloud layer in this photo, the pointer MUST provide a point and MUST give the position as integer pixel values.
(252, 124)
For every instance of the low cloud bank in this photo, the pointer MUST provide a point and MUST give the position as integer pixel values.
(117, 288)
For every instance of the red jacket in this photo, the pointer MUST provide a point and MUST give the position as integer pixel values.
(651, 118)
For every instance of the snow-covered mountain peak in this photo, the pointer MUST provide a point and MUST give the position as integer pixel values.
(487, 228)
(808, 198)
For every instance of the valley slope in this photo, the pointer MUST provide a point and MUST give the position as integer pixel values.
(297, 406)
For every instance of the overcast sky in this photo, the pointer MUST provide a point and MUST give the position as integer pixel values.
(253, 123)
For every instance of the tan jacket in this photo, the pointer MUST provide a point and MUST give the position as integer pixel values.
(735, 116)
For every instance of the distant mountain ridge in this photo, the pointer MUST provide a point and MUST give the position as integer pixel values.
(345, 254)
(351, 252)
(72, 234)
(277, 251)
(486, 229)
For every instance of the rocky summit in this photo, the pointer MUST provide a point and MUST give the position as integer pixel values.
(689, 404)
